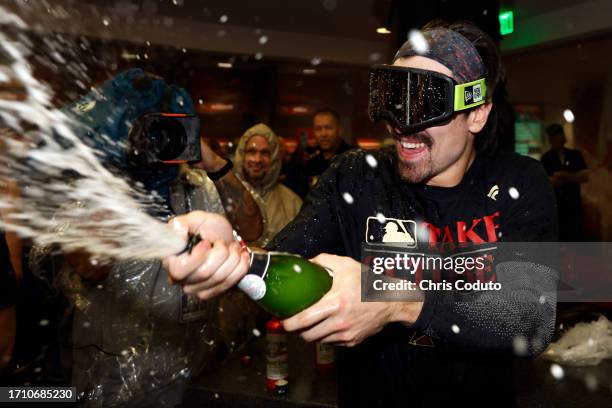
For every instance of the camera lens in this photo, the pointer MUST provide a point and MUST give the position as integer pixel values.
(166, 138)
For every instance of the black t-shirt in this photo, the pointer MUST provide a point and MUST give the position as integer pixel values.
(568, 194)
(318, 163)
(8, 285)
(501, 198)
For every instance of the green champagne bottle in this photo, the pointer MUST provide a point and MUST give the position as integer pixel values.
(284, 284)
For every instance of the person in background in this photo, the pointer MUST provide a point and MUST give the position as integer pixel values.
(293, 171)
(258, 162)
(566, 170)
(328, 133)
(136, 338)
(34, 356)
(8, 325)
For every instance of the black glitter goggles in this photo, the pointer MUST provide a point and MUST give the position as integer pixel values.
(412, 99)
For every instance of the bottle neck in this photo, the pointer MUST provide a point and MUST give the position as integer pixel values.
(253, 283)
(259, 263)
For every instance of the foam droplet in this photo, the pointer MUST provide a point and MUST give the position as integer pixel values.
(591, 382)
(348, 198)
(513, 193)
(371, 160)
(519, 345)
(557, 371)
(418, 41)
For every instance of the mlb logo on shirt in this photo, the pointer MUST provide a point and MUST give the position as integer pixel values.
(391, 231)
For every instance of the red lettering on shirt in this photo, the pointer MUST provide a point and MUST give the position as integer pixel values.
(465, 235)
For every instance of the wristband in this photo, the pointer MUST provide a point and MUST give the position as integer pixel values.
(214, 176)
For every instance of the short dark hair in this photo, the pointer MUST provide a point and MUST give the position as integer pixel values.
(554, 130)
(487, 139)
(327, 111)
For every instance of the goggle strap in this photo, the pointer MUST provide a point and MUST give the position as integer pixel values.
(470, 94)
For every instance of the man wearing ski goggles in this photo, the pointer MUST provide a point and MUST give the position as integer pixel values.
(434, 100)
(413, 99)
(442, 182)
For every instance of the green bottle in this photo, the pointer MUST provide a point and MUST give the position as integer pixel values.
(284, 284)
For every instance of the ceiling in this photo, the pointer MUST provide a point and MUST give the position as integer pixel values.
(356, 19)
(342, 31)
(531, 8)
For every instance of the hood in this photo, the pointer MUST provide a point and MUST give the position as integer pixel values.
(271, 177)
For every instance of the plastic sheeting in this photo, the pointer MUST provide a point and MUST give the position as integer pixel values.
(136, 338)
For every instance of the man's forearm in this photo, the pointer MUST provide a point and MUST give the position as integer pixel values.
(240, 207)
(581, 176)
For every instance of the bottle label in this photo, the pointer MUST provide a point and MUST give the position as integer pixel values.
(277, 357)
(326, 353)
(253, 284)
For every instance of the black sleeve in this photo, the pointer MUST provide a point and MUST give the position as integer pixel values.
(7, 279)
(580, 163)
(532, 216)
(316, 228)
(518, 319)
(546, 162)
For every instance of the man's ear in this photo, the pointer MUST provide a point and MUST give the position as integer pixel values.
(478, 117)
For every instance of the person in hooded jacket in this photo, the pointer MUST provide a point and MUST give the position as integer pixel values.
(136, 339)
(258, 162)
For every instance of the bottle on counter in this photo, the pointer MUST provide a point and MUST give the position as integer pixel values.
(284, 284)
(277, 355)
(325, 357)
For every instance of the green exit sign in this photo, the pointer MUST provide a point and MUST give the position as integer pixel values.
(506, 22)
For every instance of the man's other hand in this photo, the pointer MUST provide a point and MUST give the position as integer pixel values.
(340, 317)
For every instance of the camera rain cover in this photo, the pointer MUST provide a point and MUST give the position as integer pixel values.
(165, 138)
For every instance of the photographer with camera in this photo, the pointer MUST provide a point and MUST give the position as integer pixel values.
(136, 338)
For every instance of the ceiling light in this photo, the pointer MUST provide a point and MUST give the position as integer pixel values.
(383, 30)
(224, 64)
(309, 71)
